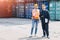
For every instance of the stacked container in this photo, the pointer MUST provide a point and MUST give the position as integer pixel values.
(58, 10)
(28, 10)
(52, 11)
(20, 10)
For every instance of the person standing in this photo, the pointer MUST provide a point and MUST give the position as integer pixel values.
(35, 19)
(45, 21)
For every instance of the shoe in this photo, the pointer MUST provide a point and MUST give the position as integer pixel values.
(35, 35)
(30, 36)
(48, 37)
(43, 36)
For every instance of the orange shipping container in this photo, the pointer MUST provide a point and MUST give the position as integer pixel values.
(6, 8)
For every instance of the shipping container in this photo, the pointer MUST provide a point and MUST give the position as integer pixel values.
(58, 10)
(28, 10)
(52, 11)
(14, 8)
(30, 6)
(5, 8)
(20, 10)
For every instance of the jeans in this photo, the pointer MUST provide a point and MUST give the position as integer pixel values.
(34, 25)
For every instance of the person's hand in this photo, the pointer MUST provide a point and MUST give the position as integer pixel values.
(42, 16)
(46, 20)
(31, 17)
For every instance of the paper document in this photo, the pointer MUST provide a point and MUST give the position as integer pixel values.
(46, 20)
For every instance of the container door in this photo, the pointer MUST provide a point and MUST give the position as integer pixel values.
(20, 10)
(52, 11)
(28, 10)
(58, 10)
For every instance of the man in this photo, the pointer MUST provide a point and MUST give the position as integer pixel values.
(35, 19)
(45, 21)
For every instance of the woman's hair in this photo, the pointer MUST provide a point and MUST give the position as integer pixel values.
(35, 4)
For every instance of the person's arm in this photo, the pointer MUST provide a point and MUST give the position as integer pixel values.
(39, 12)
(32, 14)
(48, 16)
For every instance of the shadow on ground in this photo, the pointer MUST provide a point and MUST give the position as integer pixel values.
(27, 38)
(14, 21)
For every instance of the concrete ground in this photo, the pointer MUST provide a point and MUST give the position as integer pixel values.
(19, 29)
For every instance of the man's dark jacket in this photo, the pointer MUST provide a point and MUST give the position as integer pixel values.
(44, 14)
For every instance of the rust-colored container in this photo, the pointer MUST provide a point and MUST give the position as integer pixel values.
(6, 8)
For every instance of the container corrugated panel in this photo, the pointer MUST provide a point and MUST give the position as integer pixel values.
(52, 11)
(58, 10)
(20, 10)
(40, 6)
(28, 10)
(14, 8)
(42, 0)
(47, 4)
(5, 8)
(30, 6)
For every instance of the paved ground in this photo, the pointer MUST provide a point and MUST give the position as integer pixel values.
(19, 29)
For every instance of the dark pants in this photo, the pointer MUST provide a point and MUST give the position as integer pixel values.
(45, 29)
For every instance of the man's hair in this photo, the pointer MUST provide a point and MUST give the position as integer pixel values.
(44, 4)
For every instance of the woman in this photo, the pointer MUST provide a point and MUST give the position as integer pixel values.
(35, 19)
